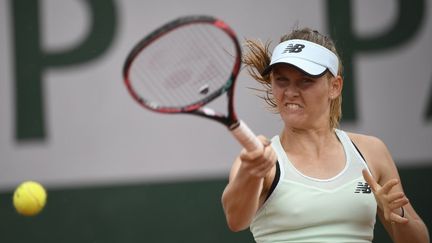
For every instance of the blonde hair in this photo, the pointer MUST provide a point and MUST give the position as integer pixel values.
(257, 57)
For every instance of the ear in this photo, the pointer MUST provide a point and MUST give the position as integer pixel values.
(336, 84)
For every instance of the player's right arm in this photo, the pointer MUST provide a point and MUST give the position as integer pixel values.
(250, 179)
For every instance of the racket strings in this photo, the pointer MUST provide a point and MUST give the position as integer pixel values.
(184, 66)
(190, 55)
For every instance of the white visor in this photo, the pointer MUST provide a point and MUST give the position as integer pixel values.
(310, 57)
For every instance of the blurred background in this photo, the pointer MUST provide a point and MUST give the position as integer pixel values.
(117, 173)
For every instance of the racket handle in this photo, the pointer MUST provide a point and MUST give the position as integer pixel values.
(246, 137)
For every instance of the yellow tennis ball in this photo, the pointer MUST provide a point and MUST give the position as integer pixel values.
(29, 198)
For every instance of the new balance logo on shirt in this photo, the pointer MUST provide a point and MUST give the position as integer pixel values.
(362, 188)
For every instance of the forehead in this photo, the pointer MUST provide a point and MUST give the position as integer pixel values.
(288, 69)
(291, 70)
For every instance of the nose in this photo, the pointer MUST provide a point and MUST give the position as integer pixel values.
(291, 91)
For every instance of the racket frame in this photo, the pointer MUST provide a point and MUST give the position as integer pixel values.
(238, 128)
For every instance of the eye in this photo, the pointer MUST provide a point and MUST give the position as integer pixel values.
(281, 81)
(307, 82)
(280, 78)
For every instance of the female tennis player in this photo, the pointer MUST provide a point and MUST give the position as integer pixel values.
(314, 182)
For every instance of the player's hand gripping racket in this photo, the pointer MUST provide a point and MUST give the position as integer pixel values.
(185, 64)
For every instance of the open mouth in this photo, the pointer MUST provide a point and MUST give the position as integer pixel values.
(293, 106)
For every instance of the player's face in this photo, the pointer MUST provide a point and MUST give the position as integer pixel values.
(302, 101)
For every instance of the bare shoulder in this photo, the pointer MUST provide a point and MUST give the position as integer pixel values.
(368, 142)
(375, 152)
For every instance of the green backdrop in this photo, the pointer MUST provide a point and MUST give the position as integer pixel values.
(188, 211)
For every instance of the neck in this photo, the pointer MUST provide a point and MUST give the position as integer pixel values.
(307, 141)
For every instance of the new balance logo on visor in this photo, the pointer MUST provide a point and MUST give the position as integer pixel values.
(293, 48)
(362, 188)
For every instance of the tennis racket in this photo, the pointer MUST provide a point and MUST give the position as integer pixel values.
(185, 64)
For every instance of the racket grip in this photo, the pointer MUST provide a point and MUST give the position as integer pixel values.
(246, 137)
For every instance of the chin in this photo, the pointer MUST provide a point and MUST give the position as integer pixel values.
(294, 122)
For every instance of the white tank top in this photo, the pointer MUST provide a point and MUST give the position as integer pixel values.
(306, 209)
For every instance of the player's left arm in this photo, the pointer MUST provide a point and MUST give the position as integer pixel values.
(403, 225)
